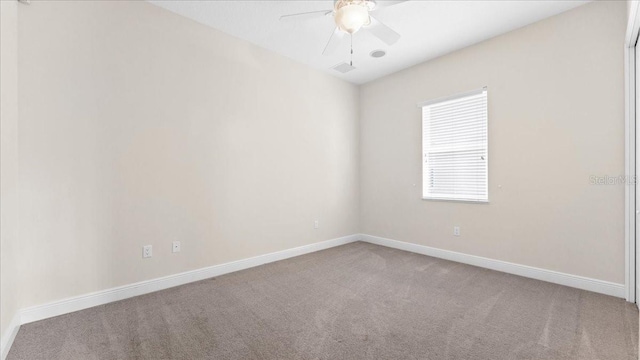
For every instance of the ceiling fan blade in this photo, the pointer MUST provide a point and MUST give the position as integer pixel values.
(334, 41)
(305, 15)
(383, 32)
(388, 3)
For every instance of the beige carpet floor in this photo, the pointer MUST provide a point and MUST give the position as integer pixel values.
(358, 301)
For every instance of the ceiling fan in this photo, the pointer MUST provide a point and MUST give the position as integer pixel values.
(350, 16)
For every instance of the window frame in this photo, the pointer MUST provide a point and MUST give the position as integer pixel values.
(461, 199)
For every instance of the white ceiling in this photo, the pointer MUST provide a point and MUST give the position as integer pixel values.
(429, 29)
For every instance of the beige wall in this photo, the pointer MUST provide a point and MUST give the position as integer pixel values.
(8, 162)
(138, 126)
(556, 116)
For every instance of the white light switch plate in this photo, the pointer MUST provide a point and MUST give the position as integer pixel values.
(176, 247)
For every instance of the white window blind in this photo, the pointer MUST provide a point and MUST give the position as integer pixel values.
(454, 147)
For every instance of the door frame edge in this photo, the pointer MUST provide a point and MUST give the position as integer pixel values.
(631, 37)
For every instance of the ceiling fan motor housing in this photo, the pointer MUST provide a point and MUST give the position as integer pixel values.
(351, 15)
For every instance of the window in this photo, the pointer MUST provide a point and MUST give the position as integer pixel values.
(454, 148)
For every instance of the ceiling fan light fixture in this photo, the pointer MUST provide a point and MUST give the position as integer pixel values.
(352, 15)
(371, 5)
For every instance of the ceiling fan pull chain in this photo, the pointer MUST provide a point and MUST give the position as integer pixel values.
(351, 62)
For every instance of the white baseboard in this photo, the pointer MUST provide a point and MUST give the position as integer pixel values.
(584, 283)
(76, 303)
(7, 339)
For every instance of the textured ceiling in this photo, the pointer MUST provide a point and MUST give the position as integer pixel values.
(429, 29)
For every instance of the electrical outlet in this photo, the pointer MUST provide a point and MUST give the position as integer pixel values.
(147, 251)
(176, 247)
(316, 224)
(456, 231)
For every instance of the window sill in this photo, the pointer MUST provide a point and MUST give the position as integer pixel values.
(484, 202)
